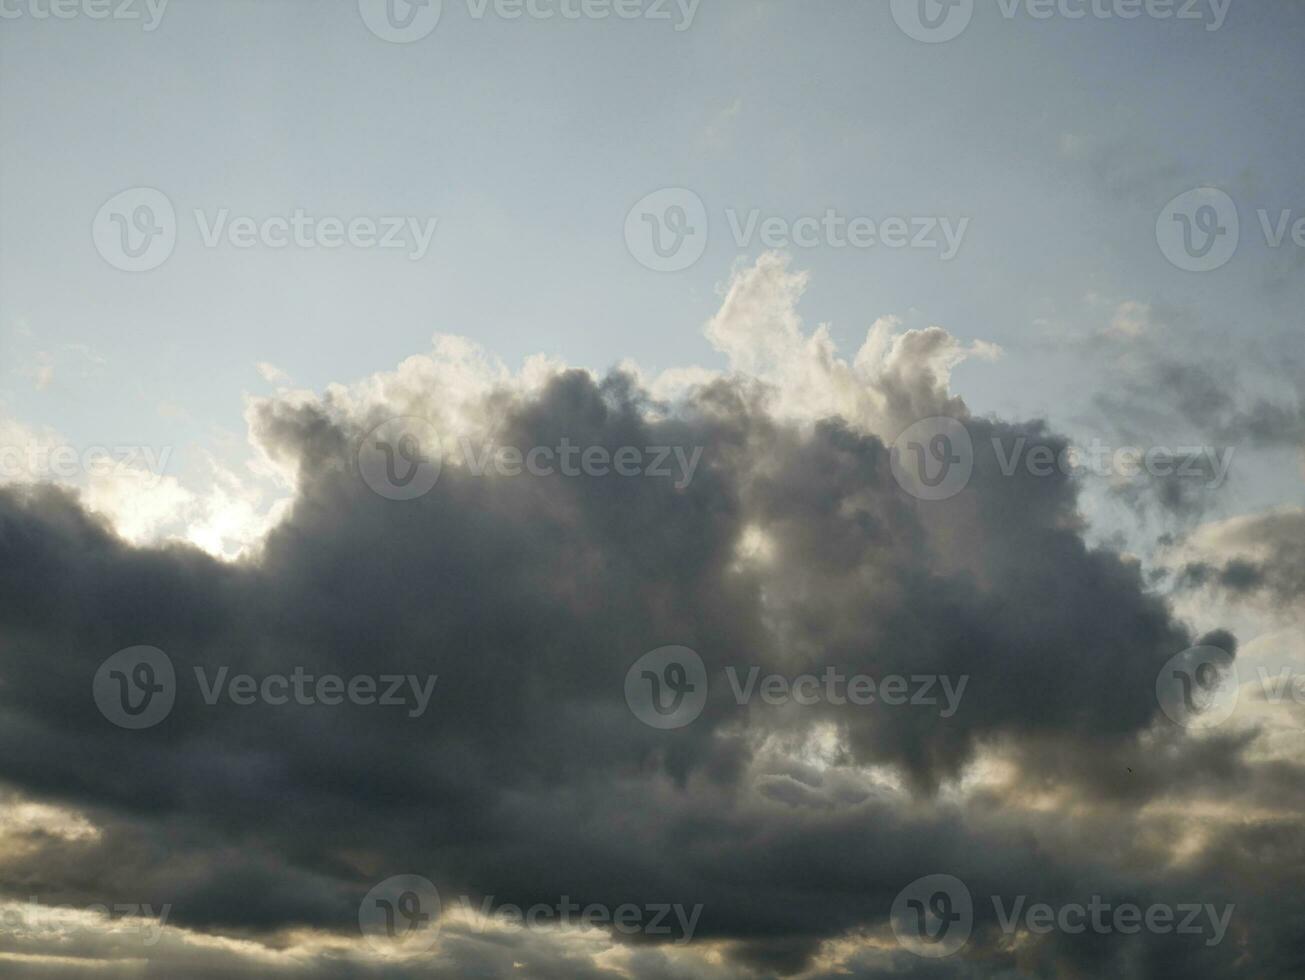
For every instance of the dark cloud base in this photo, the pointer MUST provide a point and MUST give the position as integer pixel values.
(529, 778)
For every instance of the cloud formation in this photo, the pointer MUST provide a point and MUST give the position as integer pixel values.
(792, 550)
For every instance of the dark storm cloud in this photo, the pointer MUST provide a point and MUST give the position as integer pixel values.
(529, 778)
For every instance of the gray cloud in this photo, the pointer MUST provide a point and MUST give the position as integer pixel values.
(529, 778)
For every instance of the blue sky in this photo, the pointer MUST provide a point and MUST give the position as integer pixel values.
(1038, 190)
(1052, 144)
(1060, 140)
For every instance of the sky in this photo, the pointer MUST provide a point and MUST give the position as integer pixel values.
(290, 291)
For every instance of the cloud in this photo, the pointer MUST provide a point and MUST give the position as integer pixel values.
(1204, 397)
(272, 374)
(793, 549)
(1254, 556)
